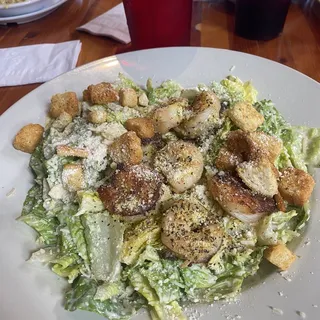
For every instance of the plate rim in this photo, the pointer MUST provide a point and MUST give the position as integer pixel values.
(18, 4)
(115, 56)
(32, 14)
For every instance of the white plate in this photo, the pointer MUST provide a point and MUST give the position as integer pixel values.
(50, 6)
(29, 291)
(19, 8)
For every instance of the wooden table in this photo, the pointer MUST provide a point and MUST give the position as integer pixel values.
(213, 25)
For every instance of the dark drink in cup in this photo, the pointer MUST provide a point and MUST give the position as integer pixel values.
(159, 23)
(260, 19)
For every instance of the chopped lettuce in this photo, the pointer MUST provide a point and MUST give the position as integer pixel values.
(198, 280)
(81, 296)
(167, 90)
(233, 90)
(303, 215)
(104, 237)
(34, 215)
(65, 268)
(107, 290)
(303, 145)
(89, 203)
(161, 311)
(292, 153)
(137, 237)
(276, 228)
(237, 266)
(37, 164)
(120, 114)
(274, 124)
(160, 282)
(125, 82)
(33, 197)
(65, 264)
(218, 141)
(76, 230)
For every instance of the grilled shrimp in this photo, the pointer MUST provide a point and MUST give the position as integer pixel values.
(205, 109)
(181, 163)
(132, 191)
(170, 116)
(239, 201)
(189, 233)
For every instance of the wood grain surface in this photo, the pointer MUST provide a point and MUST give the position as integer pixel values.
(213, 24)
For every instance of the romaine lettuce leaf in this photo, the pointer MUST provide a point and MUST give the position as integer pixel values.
(277, 228)
(34, 215)
(167, 90)
(161, 311)
(81, 296)
(76, 230)
(218, 141)
(164, 277)
(104, 238)
(71, 271)
(117, 113)
(37, 164)
(233, 90)
(235, 268)
(303, 145)
(125, 82)
(274, 123)
(66, 262)
(33, 197)
(107, 291)
(197, 276)
(89, 202)
(137, 237)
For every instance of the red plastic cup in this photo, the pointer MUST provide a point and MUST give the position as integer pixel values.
(158, 23)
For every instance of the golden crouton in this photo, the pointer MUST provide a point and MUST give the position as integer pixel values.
(143, 100)
(295, 186)
(72, 177)
(101, 93)
(28, 137)
(269, 145)
(97, 115)
(62, 121)
(259, 175)
(64, 102)
(280, 256)
(228, 160)
(86, 95)
(143, 127)
(245, 116)
(66, 151)
(128, 97)
(127, 149)
(280, 202)
(239, 142)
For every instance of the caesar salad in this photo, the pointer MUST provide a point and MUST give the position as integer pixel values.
(160, 197)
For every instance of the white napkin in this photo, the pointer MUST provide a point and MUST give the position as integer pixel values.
(111, 24)
(37, 63)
